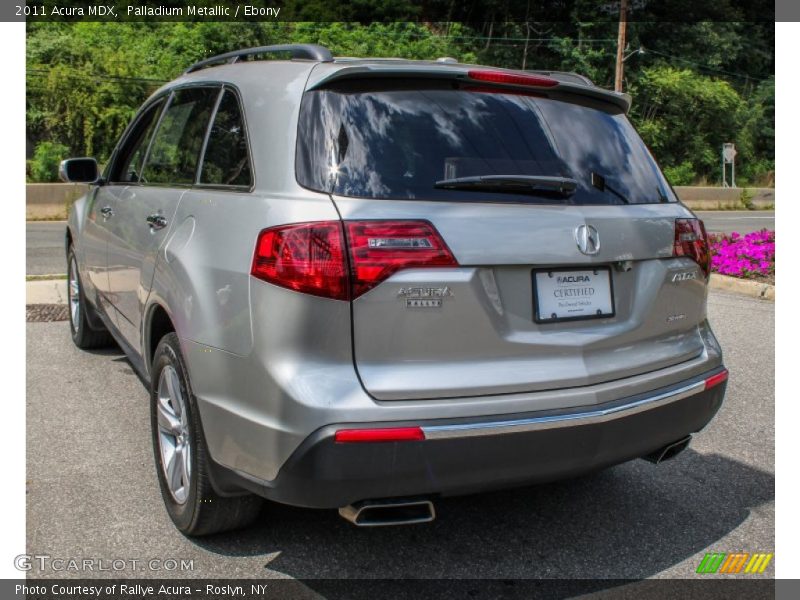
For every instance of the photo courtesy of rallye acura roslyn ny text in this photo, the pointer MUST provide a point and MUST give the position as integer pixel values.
(364, 284)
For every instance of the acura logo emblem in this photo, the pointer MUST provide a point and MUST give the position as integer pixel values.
(588, 239)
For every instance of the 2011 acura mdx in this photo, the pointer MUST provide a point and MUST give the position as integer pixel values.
(367, 283)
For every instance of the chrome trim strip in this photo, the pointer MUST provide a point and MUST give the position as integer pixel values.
(438, 432)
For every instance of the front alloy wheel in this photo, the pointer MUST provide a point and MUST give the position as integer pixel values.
(84, 334)
(74, 295)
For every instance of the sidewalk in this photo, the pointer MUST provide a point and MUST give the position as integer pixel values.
(53, 291)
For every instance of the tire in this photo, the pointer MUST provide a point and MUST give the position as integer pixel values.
(84, 336)
(191, 502)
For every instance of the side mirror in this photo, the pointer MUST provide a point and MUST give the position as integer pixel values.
(79, 170)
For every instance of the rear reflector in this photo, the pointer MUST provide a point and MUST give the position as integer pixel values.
(511, 78)
(715, 380)
(394, 434)
(380, 248)
(691, 240)
(307, 257)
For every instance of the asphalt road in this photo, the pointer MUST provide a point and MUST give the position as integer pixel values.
(45, 240)
(743, 221)
(92, 490)
(44, 248)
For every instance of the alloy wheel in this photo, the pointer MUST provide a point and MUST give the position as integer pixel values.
(173, 434)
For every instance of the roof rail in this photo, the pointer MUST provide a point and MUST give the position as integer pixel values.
(302, 51)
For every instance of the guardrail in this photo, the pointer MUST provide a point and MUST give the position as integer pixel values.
(51, 201)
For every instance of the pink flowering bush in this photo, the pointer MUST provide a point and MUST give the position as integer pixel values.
(749, 256)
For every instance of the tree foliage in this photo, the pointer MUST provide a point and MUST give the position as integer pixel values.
(696, 86)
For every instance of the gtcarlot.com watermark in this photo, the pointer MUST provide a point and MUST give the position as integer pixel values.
(45, 562)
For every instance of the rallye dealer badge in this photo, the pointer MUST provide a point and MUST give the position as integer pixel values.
(424, 297)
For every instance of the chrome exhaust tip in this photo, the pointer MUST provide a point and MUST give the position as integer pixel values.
(379, 513)
(669, 451)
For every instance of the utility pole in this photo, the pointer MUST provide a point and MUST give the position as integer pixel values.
(623, 22)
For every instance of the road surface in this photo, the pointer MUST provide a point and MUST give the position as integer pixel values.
(92, 489)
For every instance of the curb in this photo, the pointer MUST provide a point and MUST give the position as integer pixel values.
(744, 287)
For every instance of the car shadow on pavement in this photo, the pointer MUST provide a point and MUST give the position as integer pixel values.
(632, 521)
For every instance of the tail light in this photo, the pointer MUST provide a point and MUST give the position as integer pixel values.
(380, 248)
(502, 77)
(308, 257)
(313, 257)
(691, 240)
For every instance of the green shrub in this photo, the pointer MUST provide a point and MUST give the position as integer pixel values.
(46, 158)
(683, 174)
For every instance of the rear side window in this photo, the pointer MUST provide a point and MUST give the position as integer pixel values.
(396, 140)
(176, 146)
(227, 159)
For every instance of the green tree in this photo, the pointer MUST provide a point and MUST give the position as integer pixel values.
(46, 158)
(685, 117)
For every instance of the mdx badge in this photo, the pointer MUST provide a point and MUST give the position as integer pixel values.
(684, 276)
(424, 297)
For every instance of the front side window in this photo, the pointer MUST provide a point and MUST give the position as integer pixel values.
(176, 147)
(405, 139)
(227, 159)
(128, 167)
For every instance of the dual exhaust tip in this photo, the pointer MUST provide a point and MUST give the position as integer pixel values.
(378, 513)
(408, 511)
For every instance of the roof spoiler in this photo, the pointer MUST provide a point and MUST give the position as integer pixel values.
(460, 73)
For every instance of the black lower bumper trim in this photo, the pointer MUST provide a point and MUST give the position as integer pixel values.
(324, 474)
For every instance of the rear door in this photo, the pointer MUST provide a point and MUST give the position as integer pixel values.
(553, 288)
(143, 213)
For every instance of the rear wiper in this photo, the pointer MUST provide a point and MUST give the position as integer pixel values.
(511, 184)
(601, 184)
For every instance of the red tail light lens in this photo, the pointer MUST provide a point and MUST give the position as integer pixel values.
(511, 78)
(308, 257)
(392, 434)
(691, 240)
(311, 257)
(380, 248)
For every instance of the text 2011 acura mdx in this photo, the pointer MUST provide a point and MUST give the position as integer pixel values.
(362, 284)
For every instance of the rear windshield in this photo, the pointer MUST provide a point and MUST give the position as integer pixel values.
(397, 139)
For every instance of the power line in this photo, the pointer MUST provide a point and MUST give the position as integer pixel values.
(705, 67)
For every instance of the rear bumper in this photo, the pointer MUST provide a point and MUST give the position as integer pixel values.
(469, 455)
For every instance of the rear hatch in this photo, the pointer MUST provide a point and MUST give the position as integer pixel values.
(559, 223)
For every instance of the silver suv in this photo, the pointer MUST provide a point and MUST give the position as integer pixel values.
(367, 283)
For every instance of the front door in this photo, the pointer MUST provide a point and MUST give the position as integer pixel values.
(143, 214)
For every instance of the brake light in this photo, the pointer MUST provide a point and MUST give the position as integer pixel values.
(715, 380)
(691, 240)
(511, 78)
(308, 257)
(380, 248)
(311, 257)
(391, 434)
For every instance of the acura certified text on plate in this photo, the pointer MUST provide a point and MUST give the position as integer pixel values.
(365, 284)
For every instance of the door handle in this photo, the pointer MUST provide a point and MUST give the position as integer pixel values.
(107, 212)
(156, 221)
